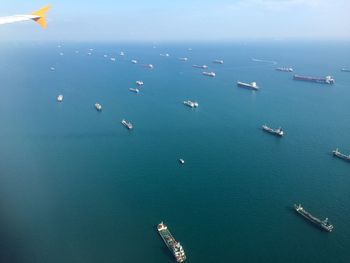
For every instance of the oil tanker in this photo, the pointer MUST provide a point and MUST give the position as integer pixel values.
(325, 80)
(323, 224)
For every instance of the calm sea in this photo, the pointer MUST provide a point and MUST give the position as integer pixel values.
(76, 186)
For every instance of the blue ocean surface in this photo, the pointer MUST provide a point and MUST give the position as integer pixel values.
(77, 186)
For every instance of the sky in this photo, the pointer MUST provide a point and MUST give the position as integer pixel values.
(180, 20)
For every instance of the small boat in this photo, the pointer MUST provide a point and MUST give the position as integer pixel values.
(127, 124)
(345, 69)
(139, 83)
(133, 61)
(252, 85)
(209, 74)
(105, 56)
(52, 68)
(61, 53)
(89, 53)
(181, 161)
(60, 98)
(98, 106)
(278, 132)
(112, 59)
(134, 90)
(191, 104)
(121, 53)
(218, 61)
(183, 59)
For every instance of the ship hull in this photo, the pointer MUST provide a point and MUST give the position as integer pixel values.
(317, 222)
(313, 79)
(246, 86)
(342, 156)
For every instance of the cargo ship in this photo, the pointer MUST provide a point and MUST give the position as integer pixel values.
(139, 83)
(134, 90)
(277, 132)
(98, 106)
(218, 61)
(252, 85)
(127, 124)
(209, 74)
(285, 69)
(174, 246)
(323, 224)
(325, 80)
(340, 155)
(200, 66)
(191, 104)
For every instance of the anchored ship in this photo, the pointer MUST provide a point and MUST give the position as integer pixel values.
(98, 106)
(340, 155)
(174, 246)
(285, 69)
(127, 124)
(134, 90)
(60, 98)
(252, 85)
(218, 61)
(191, 104)
(200, 66)
(139, 83)
(209, 74)
(325, 80)
(278, 132)
(323, 224)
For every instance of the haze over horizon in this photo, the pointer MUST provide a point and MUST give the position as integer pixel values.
(182, 21)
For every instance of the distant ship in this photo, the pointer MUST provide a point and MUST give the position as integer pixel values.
(150, 66)
(218, 61)
(209, 74)
(200, 66)
(52, 68)
(105, 56)
(183, 59)
(134, 61)
(285, 69)
(278, 132)
(252, 85)
(340, 155)
(181, 161)
(112, 59)
(60, 98)
(323, 224)
(134, 90)
(345, 70)
(174, 246)
(121, 53)
(98, 106)
(325, 80)
(127, 124)
(191, 104)
(139, 83)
